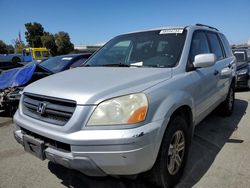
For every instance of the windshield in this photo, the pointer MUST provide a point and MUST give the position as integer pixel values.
(55, 64)
(145, 49)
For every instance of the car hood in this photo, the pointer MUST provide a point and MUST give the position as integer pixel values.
(91, 85)
(17, 76)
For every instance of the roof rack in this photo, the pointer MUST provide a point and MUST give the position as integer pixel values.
(198, 24)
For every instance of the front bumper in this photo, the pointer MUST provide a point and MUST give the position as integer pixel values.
(130, 154)
(83, 164)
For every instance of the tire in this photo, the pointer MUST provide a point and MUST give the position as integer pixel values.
(169, 167)
(248, 84)
(15, 60)
(226, 107)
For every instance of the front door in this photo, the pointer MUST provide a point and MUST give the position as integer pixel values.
(204, 79)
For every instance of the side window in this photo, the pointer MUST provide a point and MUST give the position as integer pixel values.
(38, 53)
(199, 45)
(226, 45)
(215, 45)
(45, 53)
(26, 52)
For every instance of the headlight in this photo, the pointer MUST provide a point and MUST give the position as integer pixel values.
(127, 109)
(242, 71)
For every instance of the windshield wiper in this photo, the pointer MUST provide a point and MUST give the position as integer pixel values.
(116, 65)
(113, 65)
(84, 65)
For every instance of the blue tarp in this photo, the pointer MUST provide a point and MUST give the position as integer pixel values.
(16, 77)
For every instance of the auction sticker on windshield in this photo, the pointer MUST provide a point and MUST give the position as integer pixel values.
(171, 31)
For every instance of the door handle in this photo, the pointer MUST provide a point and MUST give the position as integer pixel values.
(226, 72)
(216, 72)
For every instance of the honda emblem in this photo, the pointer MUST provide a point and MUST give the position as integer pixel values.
(41, 108)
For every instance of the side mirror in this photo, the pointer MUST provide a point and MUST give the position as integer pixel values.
(204, 60)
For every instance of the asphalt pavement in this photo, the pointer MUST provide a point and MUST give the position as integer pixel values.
(219, 157)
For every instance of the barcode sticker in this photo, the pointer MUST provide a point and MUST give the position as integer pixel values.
(171, 31)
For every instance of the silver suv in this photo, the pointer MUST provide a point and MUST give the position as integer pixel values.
(133, 107)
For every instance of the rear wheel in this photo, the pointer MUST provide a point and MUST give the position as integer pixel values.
(248, 84)
(173, 153)
(226, 108)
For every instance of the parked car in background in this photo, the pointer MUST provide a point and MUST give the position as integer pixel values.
(37, 54)
(133, 107)
(9, 61)
(14, 58)
(13, 81)
(28, 55)
(243, 67)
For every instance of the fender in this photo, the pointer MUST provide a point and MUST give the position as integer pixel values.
(172, 102)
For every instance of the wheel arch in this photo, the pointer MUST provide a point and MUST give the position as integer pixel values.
(16, 57)
(233, 82)
(186, 112)
(183, 110)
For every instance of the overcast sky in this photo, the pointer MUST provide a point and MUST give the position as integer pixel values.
(97, 21)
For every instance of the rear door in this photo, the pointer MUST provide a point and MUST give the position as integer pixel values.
(225, 62)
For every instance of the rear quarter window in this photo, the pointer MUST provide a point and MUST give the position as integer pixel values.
(226, 45)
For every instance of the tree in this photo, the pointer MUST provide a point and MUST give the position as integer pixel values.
(63, 43)
(19, 46)
(3, 47)
(10, 49)
(48, 41)
(33, 34)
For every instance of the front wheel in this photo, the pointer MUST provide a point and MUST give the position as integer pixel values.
(173, 153)
(15, 60)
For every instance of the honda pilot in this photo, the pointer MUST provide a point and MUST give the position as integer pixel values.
(132, 108)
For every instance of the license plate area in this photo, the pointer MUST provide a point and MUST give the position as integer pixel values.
(34, 146)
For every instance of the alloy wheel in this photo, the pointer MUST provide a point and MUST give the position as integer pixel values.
(176, 152)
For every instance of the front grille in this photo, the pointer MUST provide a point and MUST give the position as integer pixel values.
(57, 111)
